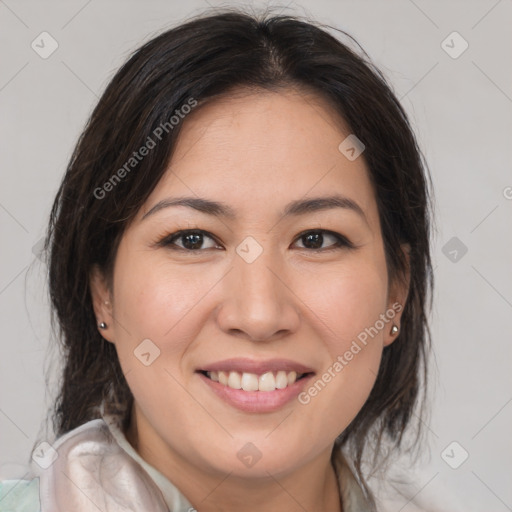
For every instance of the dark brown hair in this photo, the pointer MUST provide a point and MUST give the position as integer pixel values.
(203, 58)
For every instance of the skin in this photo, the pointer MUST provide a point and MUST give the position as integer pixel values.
(255, 152)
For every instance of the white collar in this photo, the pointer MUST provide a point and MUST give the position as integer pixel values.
(97, 468)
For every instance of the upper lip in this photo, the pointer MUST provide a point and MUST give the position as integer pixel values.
(245, 365)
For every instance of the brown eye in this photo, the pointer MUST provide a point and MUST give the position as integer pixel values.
(191, 240)
(314, 240)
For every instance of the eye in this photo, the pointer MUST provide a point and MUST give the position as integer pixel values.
(192, 240)
(314, 239)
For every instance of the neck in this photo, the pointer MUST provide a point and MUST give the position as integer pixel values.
(313, 486)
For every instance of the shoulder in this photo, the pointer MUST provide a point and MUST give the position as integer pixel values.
(20, 495)
(87, 447)
(24, 494)
(89, 457)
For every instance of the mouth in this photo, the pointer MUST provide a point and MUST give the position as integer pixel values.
(255, 386)
(265, 382)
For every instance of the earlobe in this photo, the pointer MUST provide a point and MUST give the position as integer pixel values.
(102, 303)
(398, 298)
(392, 333)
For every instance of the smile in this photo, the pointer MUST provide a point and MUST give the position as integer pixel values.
(269, 381)
(256, 401)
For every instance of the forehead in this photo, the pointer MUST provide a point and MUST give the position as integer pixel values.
(259, 151)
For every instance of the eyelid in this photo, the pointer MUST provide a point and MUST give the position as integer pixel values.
(168, 240)
(342, 242)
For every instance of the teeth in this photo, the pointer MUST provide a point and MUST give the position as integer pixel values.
(292, 377)
(234, 380)
(282, 380)
(266, 382)
(251, 382)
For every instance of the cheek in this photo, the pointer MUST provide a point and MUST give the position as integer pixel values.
(158, 301)
(357, 311)
(348, 311)
(347, 302)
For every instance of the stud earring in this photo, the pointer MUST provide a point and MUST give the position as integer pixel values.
(394, 329)
(102, 325)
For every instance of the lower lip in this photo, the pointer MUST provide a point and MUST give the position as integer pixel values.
(257, 401)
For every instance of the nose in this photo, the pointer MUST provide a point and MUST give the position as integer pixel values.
(257, 301)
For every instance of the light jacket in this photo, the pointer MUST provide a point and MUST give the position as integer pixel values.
(93, 468)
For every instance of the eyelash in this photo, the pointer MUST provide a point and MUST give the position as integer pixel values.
(168, 241)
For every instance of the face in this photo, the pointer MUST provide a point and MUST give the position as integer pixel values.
(260, 287)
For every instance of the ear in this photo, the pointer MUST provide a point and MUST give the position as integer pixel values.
(102, 302)
(397, 297)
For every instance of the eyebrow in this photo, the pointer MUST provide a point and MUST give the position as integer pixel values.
(294, 208)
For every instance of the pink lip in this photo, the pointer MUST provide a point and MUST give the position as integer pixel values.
(257, 401)
(246, 365)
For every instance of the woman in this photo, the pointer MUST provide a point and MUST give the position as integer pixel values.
(239, 265)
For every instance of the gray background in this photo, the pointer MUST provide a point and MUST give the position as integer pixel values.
(461, 111)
